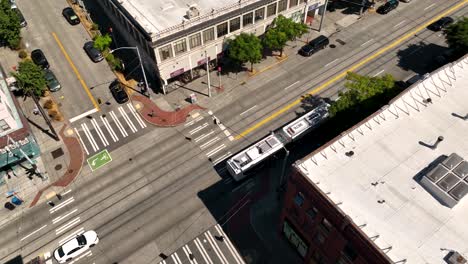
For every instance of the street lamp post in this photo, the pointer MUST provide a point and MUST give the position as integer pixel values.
(208, 74)
(283, 169)
(141, 65)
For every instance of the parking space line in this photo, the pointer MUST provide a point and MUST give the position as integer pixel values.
(215, 247)
(429, 6)
(73, 234)
(330, 63)
(245, 112)
(216, 150)
(202, 250)
(109, 129)
(98, 130)
(203, 136)
(229, 245)
(377, 74)
(81, 140)
(367, 42)
(68, 225)
(399, 23)
(89, 136)
(129, 122)
(119, 125)
(136, 115)
(208, 143)
(195, 130)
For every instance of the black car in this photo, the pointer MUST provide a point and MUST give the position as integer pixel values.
(313, 46)
(39, 58)
(70, 16)
(387, 7)
(92, 52)
(118, 92)
(22, 21)
(441, 24)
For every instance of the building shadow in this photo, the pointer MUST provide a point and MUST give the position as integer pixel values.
(421, 58)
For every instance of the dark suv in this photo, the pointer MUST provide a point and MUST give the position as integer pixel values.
(93, 53)
(118, 92)
(313, 46)
(441, 24)
(39, 58)
(387, 7)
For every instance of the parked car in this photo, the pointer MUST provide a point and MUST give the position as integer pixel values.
(39, 58)
(76, 246)
(92, 52)
(405, 1)
(52, 83)
(441, 24)
(21, 18)
(13, 4)
(313, 46)
(118, 92)
(70, 16)
(387, 7)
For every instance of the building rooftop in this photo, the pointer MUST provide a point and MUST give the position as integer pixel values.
(373, 171)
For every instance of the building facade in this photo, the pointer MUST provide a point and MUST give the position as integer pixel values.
(175, 47)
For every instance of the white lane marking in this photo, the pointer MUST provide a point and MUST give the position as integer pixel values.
(227, 133)
(243, 113)
(119, 125)
(136, 115)
(215, 247)
(90, 137)
(60, 218)
(331, 62)
(203, 252)
(176, 259)
(127, 119)
(193, 121)
(109, 129)
(187, 253)
(70, 236)
(367, 42)
(229, 244)
(87, 113)
(231, 138)
(98, 130)
(195, 130)
(34, 232)
(66, 192)
(61, 205)
(162, 262)
(221, 126)
(204, 136)
(429, 6)
(216, 150)
(190, 252)
(377, 74)
(399, 23)
(291, 85)
(68, 225)
(222, 158)
(82, 143)
(87, 254)
(207, 144)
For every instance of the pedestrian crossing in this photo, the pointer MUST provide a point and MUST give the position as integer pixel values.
(211, 247)
(101, 131)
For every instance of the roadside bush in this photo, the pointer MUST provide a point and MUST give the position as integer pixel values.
(114, 62)
(49, 104)
(22, 54)
(94, 26)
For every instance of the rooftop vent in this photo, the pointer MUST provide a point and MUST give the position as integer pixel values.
(455, 258)
(193, 12)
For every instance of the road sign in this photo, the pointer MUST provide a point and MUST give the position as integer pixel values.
(99, 160)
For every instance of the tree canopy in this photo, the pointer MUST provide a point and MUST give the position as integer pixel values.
(275, 39)
(457, 36)
(102, 42)
(9, 25)
(292, 29)
(245, 48)
(31, 78)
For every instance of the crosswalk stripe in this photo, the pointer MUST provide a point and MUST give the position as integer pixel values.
(109, 129)
(136, 115)
(129, 122)
(174, 258)
(177, 256)
(98, 130)
(208, 143)
(188, 253)
(216, 150)
(229, 245)
(90, 137)
(119, 125)
(82, 143)
(215, 247)
(202, 250)
(195, 130)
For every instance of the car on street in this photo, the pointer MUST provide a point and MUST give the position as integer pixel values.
(70, 16)
(387, 7)
(52, 83)
(441, 24)
(405, 1)
(118, 92)
(39, 58)
(314, 45)
(93, 53)
(76, 246)
(21, 18)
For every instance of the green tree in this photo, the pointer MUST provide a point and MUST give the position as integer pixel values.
(245, 48)
(457, 36)
(292, 29)
(9, 25)
(275, 39)
(31, 78)
(102, 42)
(360, 89)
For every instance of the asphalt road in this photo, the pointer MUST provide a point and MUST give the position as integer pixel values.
(152, 198)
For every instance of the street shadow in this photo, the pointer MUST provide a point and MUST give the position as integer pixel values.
(421, 58)
(347, 7)
(43, 130)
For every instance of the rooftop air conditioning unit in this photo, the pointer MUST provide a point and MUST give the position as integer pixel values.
(455, 258)
(193, 12)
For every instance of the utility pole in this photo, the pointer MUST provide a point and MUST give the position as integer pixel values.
(323, 15)
(219, 73)
(208, 74)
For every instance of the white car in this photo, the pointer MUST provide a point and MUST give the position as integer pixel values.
(76, 246)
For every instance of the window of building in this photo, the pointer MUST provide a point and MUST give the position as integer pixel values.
(165, 52)
(319, 259)
(343, 260)
(293, 3)
(180, 46)
(271, 10)
(326, 225)
(4, 125)
(247, 19)
(208, 35)
(319, 238)
(299, 199)
(294, 238)
(259, 14)
(349, 252)
(312, 212)
(222, 29)
(234, 24)
(195, 40)
(282, 5)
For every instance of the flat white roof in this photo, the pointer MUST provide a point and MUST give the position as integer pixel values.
(411, 224)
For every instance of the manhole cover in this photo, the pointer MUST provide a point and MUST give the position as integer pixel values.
(58, 167)
(340, 41)
(332, 46)
(57, 153)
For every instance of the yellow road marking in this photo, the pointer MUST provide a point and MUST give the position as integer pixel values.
(352, 68)
(82, 82)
